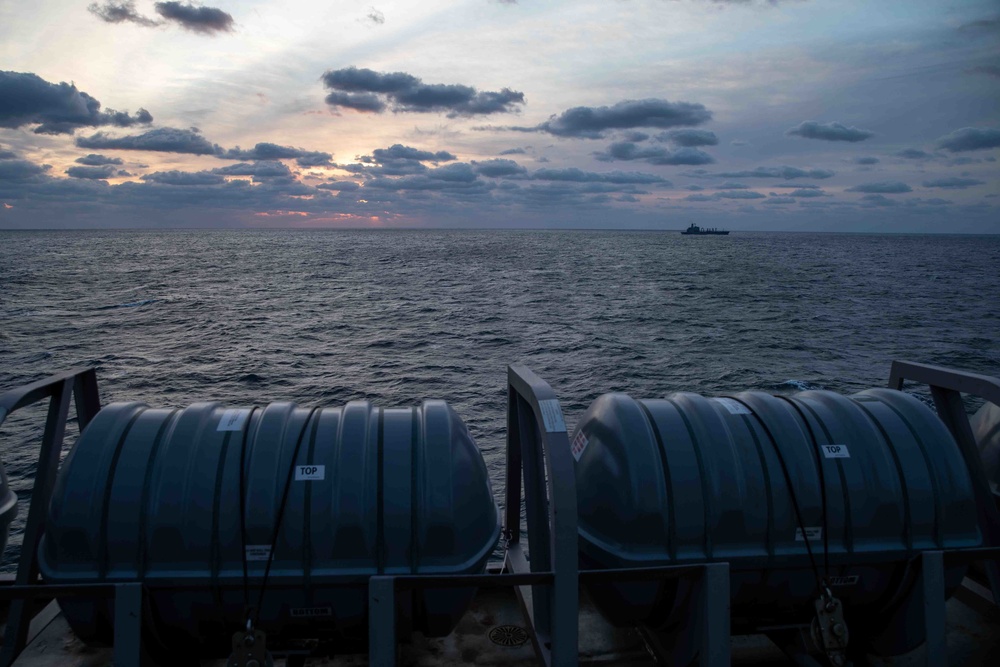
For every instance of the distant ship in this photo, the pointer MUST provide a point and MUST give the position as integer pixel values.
(695, 230)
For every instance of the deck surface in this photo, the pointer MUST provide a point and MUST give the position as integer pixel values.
(973, 639)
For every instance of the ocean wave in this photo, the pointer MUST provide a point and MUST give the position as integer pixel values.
(131, 304)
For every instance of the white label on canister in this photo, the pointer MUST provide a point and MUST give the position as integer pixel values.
(552, 416)
(258, 552)
(813, 533)
(311, 612)
(309, 473)
(734, 406)
(844, 581)
(836, 451)
(233, 419)
(580, 443)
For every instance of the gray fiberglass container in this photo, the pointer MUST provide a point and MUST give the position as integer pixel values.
(154, 496)
(689, 479)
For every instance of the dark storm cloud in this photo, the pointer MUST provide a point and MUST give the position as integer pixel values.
(204, 20)
(6, 154)
(690, 138)
(784, 172)
(91, 173)
(811, 129)
(20, 170)
(953, 183)
(883, 187)
(865, 160)
(594, 122)
(120, 12)
(164, 139)
(575, 175)
(970, 139)
(626, 151)
(914, 154)
(258, 170)
(268, 151)
(174, 177)
(56, 108)
(95, 160)
(367, 90)
(497, 168)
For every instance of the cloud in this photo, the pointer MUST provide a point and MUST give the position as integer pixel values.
(95, 160)
(203, 20)
(268, 151)
(91, 173)
(988, 70)
(810, 129)
(970, 139)
(575, 175)
(164, 139)
(732, 186)
(878, 200)
(807, 192)
(796, 186)
(20, 170)
(6, 154)
(594, 122)
(626, 151)
(914, 154)
(784, 172)
(339, 186)
(258, 170)
(367, 90)
(780, 200)
(690, 138)
(121, 12)
(865, 160)
(56, 108)
(174, 177)
(401, 152)
(739, 194)
(883, 187)
(953, 183)
(513, 151)
(375, 16)
(498, 167)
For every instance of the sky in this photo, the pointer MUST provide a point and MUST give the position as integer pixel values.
(797, 115)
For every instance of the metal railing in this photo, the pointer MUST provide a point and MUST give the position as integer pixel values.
(547, 585)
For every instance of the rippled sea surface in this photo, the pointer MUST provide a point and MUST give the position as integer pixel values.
(324, 317)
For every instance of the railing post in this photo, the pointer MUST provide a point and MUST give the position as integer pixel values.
(947, 386)
(538, 446)
(19, 618)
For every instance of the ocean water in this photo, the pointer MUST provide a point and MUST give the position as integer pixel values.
(324, 317)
